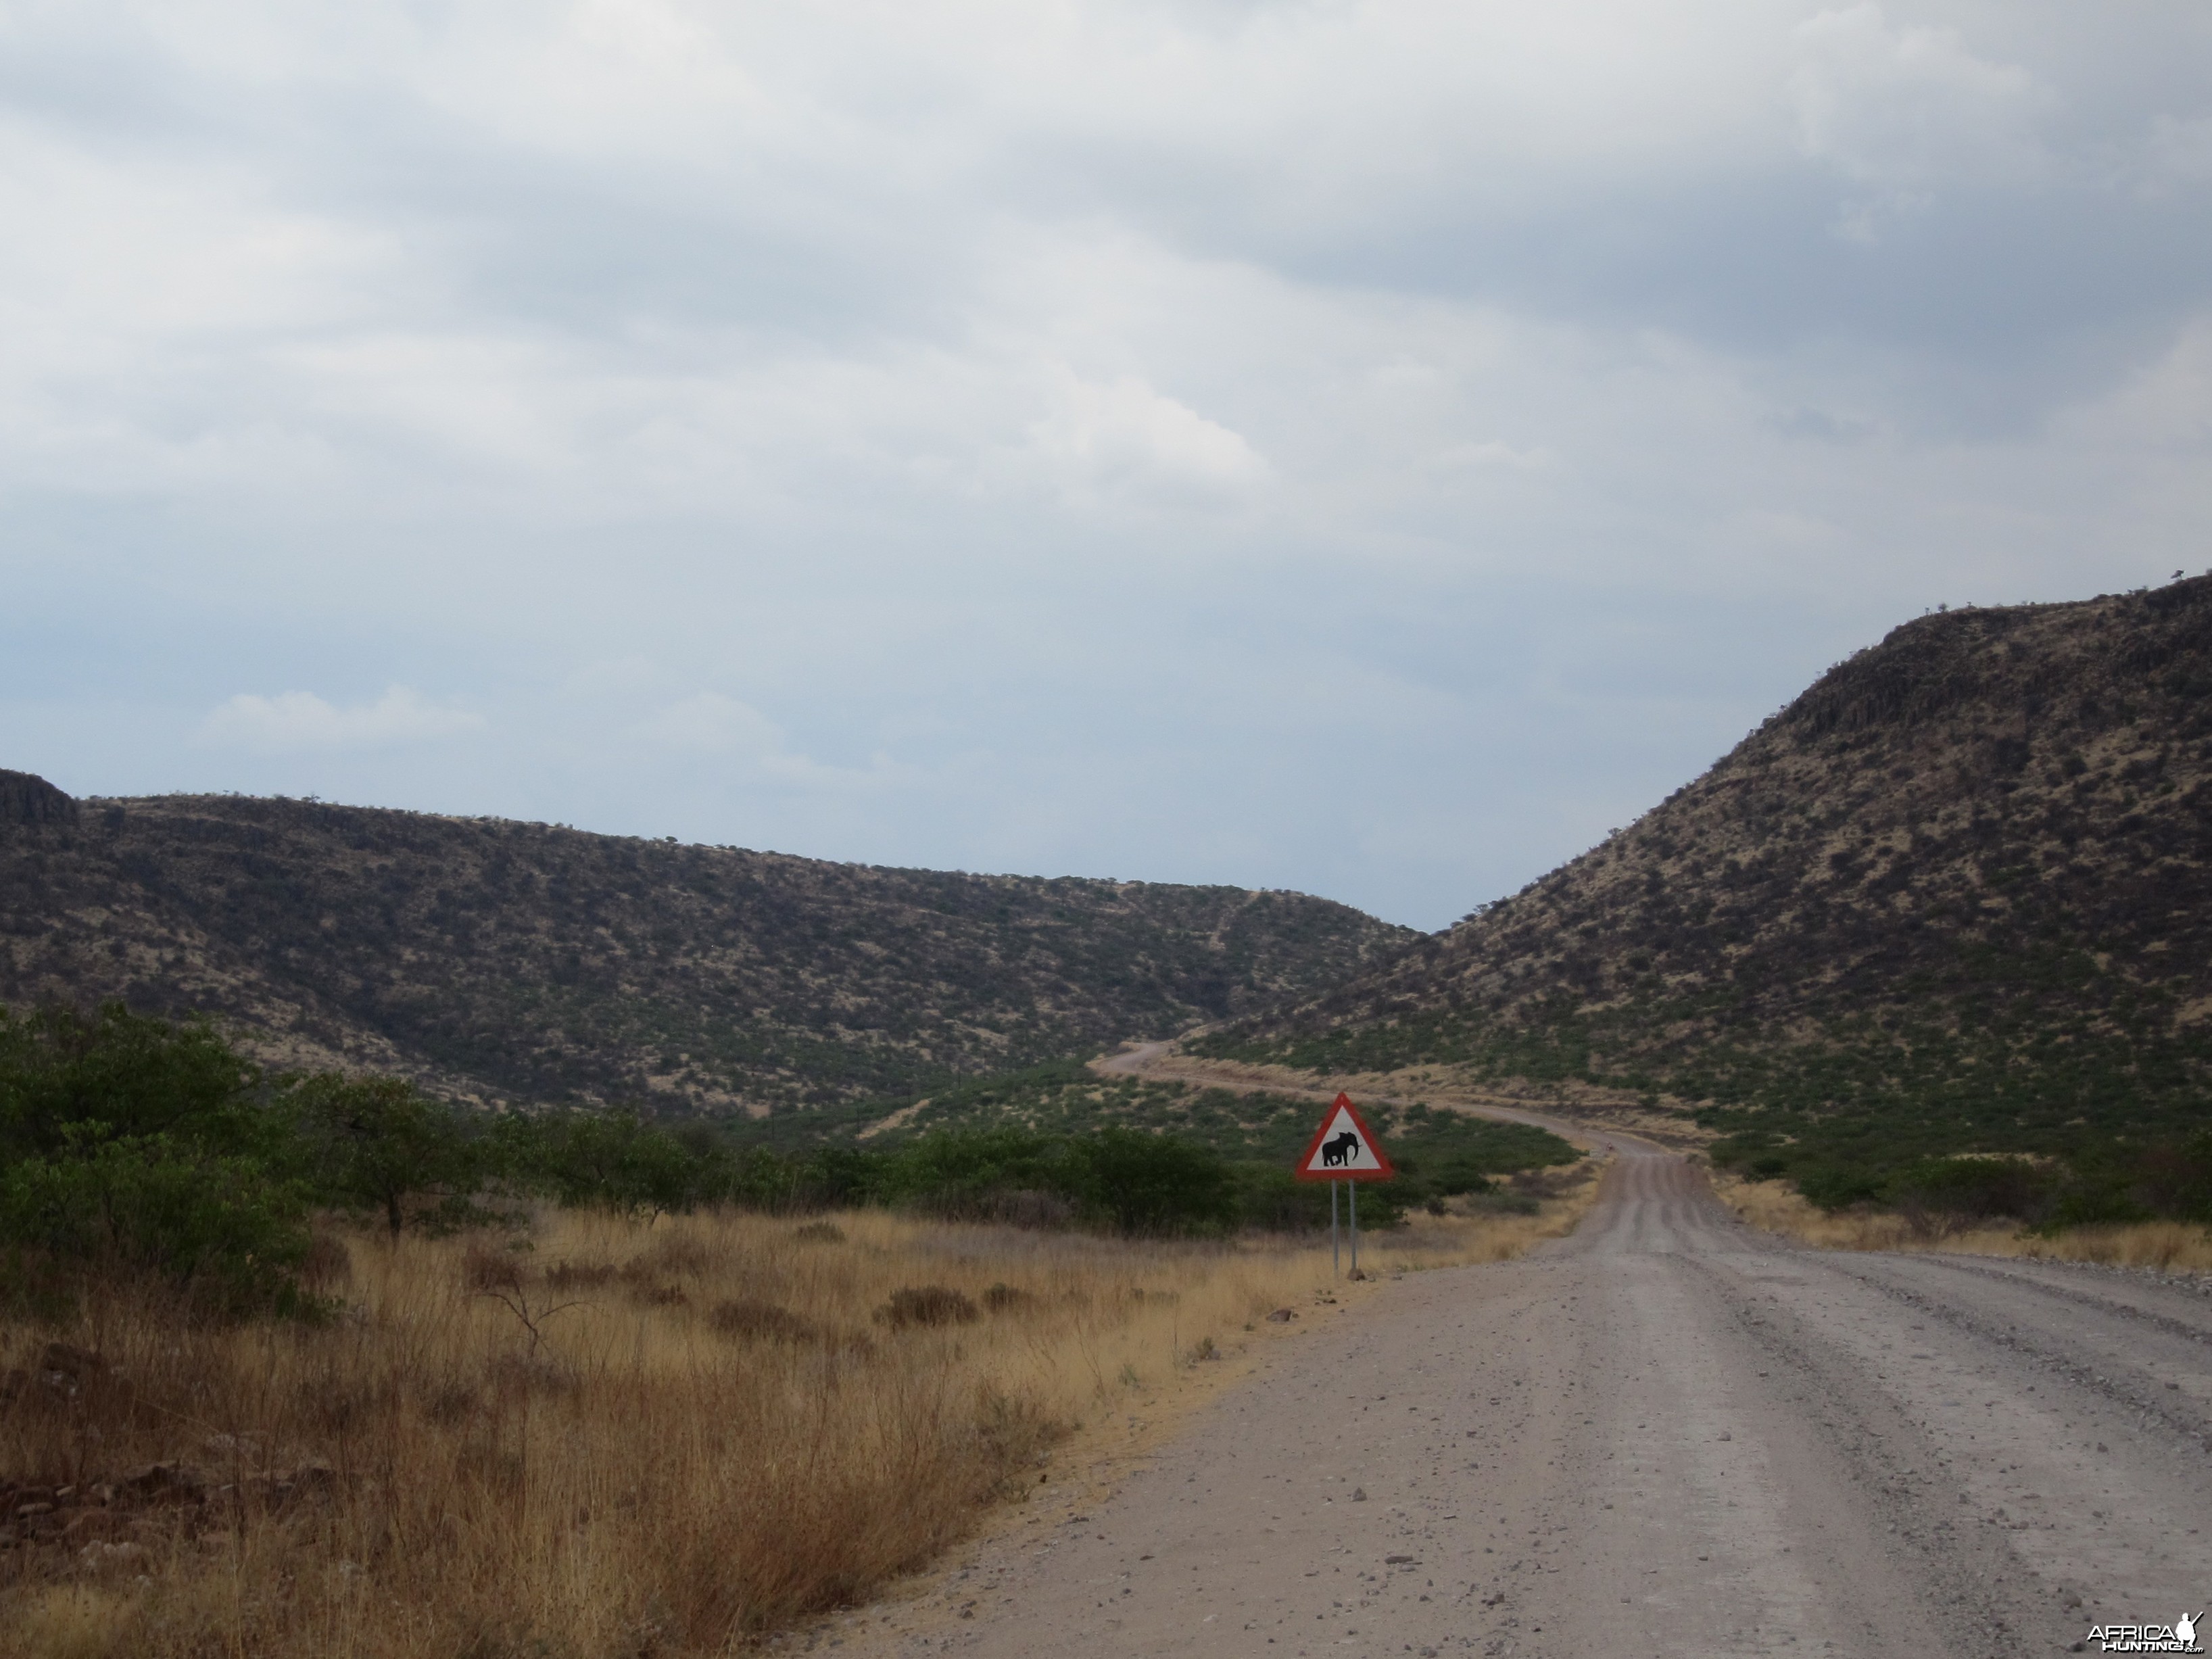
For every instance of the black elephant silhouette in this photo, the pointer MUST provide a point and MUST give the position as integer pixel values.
(1337, 1152)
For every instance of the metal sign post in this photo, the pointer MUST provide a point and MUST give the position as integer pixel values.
(1343, 1149)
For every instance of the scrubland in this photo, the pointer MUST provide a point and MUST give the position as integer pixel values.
(598, 1438)
(2165, 1246)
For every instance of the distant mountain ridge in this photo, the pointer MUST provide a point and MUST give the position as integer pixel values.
(516, 962)
(1957, 895)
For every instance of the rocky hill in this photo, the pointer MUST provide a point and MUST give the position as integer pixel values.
(1956, 895)
(518, 961)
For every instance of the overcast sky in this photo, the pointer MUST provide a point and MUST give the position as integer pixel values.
(1374, 449)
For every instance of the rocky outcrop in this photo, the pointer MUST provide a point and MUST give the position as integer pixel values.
(26, 798)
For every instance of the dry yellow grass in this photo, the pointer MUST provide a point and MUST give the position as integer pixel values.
(2165, 1245)
(618, 1441)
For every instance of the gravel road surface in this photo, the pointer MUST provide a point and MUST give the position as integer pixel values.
(1669, 1434)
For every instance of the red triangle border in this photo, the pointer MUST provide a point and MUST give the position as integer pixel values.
(1306, 1171)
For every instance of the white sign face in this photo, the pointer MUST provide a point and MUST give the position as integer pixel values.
(1343, 1149)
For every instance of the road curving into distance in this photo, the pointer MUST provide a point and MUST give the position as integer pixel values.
(1669, 1434)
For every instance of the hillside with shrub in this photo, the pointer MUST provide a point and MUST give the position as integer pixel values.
(1445, 1159)
(523, 963)
(1955, 899)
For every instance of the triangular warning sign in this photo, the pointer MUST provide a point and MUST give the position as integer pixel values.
(1344, 1148)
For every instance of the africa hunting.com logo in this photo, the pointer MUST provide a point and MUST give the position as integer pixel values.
(2180, 1637)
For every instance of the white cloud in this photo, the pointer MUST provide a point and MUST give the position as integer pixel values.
(1122, 436)
(710, 723)
(747, 744)
(2180, 151)
(1494, 455)
(1908, 110)
(300, 721)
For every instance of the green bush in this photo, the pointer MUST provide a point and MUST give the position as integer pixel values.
(1836, 1186)
(221, 1228)
(1975, 1189)
(2175, 1180)
(1148, 1183)
(1120, 1178)
(1272, 1198)
(612, 1160)
(966, 1172)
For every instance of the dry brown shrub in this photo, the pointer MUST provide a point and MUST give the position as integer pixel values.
(677, 1254)
(486, 1266)
(926, 1304)
(515, 1374)
(341, 1404)
(329, 1264)
(1546, 1183)
(1005, 1299)
(580, 1275)
(449, 1401)
(749, 1318)
(1028, 1208)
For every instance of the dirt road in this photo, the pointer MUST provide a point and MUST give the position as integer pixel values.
(1666, 1435)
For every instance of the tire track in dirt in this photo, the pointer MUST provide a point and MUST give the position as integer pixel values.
(1669, 1434)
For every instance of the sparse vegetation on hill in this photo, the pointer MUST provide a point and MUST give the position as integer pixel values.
(507, 961)
(1439, 1155)
(1956, 897)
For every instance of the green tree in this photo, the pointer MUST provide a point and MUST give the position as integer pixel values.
(611, 1160)
(376, 1142)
